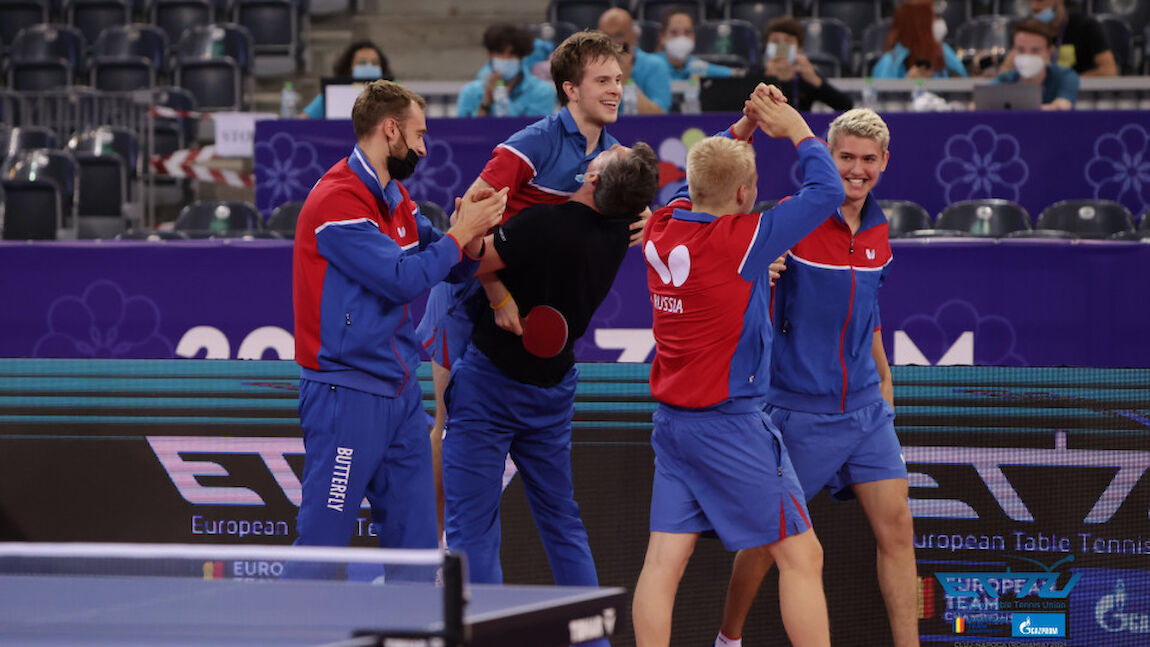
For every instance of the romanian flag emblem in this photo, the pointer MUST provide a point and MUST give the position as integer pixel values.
(959, 625)
(213, 570)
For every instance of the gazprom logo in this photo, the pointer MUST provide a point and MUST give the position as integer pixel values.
(1038, 625)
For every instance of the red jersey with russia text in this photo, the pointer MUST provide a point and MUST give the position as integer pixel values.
(709, 279)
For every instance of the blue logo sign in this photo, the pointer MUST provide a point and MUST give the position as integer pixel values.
(1038, 625)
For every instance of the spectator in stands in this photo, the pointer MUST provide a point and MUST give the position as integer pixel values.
(507, 48)
(363, 61)
(915, 47)
(651, 73)
(1032, 53)
(785, 66)
(677, 38)
(1079, 42)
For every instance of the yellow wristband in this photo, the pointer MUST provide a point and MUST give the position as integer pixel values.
(501, 303)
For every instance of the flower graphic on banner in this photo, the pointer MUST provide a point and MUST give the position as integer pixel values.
(1120, 168)
(981, 164)
(994, 335)
(103, 323)
(672, 160)
(287, 170)
(436, 177)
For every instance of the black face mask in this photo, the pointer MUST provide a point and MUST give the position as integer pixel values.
(401, 169)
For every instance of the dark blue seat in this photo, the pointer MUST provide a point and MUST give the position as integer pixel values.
(1087, 218)
(45, 164)
(986, 217)
(134, 41)
(32, 209)
(584, 14)
(904, 216)
(729, 37)
(48, 42)
(214, 83)
(206, 42)
(20, 14)
(207, 219)
(284, 217)
(758, 12)
(94, 16)
(174, 16)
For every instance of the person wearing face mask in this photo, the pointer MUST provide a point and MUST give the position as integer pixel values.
(507, 46)
(363, 253)
(785, 66)
(677, 37)
(915, 47)
(360, 61)
(651, 73)
(1032, 53)
(1079, 41)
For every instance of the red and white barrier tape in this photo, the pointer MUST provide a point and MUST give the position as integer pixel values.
(171, 113)
(183, 164)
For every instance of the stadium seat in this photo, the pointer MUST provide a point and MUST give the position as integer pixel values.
(31, 209)
(131, 41)
(729, 37)
(31, 76)
(758, 12)
(1136, 14)
(205, 42)
(552, 32)
(274, 34)
(110, 140)
(872, 44)
(584, 14)
(1119, 37)
(197, 219)
(94, 16)
(174, 16)
(435, 214)
(983, 35)
(47, 42)
(177, 99)
(283, 218)
(830, 37)
(654, 9)
(122, 74)
(855, 14)
(45, 164)
(215, 83)
(26, 138)
(18, 14)
(648, 35)
(1087, 218)
(904, 216)
(100, 212)
(988, 217)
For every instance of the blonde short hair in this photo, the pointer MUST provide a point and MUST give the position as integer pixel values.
(860, 122)
(717, 167)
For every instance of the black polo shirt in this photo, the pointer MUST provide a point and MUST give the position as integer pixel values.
(1080, 41)
(564, 256)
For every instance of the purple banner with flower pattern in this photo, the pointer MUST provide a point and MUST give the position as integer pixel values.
(1033, 158)
(1005, 303)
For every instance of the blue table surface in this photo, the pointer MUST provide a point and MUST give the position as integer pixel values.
(67, 610)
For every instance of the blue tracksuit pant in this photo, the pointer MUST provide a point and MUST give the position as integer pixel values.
(490, 415)
(358, 444)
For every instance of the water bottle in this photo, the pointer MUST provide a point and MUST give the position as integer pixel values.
(630, 98)
(500, 101)
(918, 92)
(723, 39)
(219, 224)
(869, 94)
(690, 105)
(289, 102)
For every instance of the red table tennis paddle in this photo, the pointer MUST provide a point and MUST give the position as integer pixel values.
(544, 332)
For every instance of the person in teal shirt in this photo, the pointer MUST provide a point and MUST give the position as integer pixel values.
(363, 61)
(507, 48)
(1033, 50)
(651, 73)
(915, 47)
(677, 35)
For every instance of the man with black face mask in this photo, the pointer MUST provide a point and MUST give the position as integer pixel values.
(363, 252)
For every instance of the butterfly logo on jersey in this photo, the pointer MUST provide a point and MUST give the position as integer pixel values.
(870, 254)
(677, 268)
(402, 231)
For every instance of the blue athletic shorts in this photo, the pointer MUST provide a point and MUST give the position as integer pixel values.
(835, 450)
(718, 470)
(448, 320)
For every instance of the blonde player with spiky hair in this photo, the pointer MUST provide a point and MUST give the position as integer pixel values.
(718, 458)
(831, 393)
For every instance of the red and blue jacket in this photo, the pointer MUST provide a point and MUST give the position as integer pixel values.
(825, 315)
(362, 253)
(708, 277)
